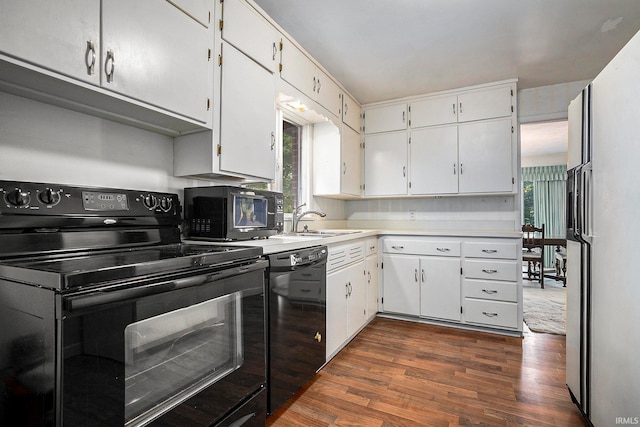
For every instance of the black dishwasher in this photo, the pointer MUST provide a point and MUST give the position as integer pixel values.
(297, 321)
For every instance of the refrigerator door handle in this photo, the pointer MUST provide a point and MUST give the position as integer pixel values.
(576, 202)
(585, 206)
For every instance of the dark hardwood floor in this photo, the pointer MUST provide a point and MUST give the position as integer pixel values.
(397, 373)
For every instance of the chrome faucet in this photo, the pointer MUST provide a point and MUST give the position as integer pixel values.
(297, 216)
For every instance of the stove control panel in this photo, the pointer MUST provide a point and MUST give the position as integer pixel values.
(19, 199)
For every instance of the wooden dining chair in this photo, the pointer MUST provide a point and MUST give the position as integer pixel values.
(533, 252)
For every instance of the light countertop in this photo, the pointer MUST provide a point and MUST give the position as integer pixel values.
(285, 242)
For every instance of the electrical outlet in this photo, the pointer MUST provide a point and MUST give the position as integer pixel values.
(412, 215)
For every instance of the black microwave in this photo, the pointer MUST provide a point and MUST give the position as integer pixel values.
(232, 213)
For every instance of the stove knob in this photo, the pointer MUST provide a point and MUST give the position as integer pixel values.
(49, 197)
(166, 204)
(150, 201)
(18, 198)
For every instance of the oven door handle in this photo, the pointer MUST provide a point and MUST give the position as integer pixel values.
(121, 293)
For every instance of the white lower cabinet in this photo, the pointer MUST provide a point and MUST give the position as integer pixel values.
(492, 283)
(401, 292)
(422, 277)
(371, 271)
(346, 294)
(473, 281)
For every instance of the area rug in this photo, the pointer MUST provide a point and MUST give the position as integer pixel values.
(545, 309)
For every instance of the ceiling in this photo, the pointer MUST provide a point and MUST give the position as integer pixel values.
(381, 49)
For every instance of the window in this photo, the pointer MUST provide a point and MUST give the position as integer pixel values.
(291, 143)
(528, 205)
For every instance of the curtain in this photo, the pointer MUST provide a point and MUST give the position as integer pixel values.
(549, 187)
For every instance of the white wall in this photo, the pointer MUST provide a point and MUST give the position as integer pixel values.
(45, 143)
(546, 103)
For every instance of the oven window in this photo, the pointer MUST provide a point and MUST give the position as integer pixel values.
(187, 350)
(249, 211)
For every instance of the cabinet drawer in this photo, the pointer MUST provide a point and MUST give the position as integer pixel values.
(422, 247)
(490, 289)
(491, 270)
(342, 255)
(504, 250)
(493, 313)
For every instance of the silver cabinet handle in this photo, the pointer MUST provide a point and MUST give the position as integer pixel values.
(489, 314)
(490, 291)
(489, 251)
(403, 114)
(319, 85)
(346, 108)
(346, 290)
(454, 168)
(398, 248)
(489, 271)
(344, 168)
(90, 57)
(423, 275)
(110, 66)
(273, 140)
(454, 109)
(314, 84)
(369, 277)
(443, 249)
(275, 51)
(461, 169)
(404, 171)
(460, 108)
(350, 288)
(416, 274)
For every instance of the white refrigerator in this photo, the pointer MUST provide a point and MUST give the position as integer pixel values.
(603, 244)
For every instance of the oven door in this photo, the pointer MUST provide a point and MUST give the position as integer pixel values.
(186, 350)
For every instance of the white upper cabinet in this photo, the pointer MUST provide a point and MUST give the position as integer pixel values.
(336, 161)
(385, 164)
(145, 63)
(486, 103)
(486, 156)
(200, 10)
(247, 93)
(472, 105)
(62, 36)
(436, 110)
(260, 43)
(434, 160)
(351, 113)
(302, 73)
(385, 118)
(166, 65)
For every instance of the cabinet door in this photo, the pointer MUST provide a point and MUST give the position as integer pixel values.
(247, 116)
(351, 161)
(385, 164)
(434, 160)
(351, 112)
(385, 119)
(440, 293)
(297, 69)
(260, 43)
(327, 159)
(357, 303)
(486, 160)
(54, 35)
(401, 279)
(485, 104)
(200, 10)
(337, 297)
(328, 93)
(166, 65)
(371, 263)
(437, 110)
